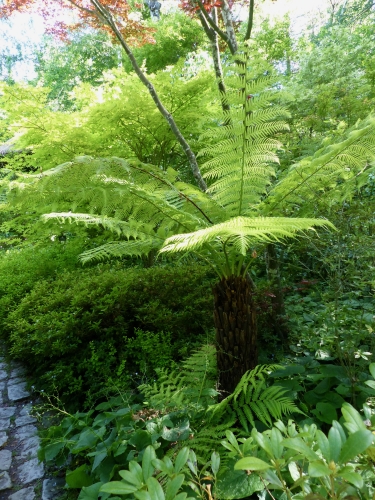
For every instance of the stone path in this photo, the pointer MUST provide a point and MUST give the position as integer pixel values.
(22, 477)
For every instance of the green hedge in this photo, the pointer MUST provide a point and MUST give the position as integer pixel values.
(91, 328)
(21, 269)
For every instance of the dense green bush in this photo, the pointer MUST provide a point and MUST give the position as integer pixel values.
(21, 269)
(89, 327)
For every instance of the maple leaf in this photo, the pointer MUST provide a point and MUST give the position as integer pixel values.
(64, 16)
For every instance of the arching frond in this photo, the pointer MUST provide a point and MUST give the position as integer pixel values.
(333, 171)
(134, 248)
(241, 233)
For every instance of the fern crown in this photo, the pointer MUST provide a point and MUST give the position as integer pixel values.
(152, 210)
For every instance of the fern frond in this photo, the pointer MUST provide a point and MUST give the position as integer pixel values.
(252, 400)
(192, 386)
(242, 232)
(331, 170)
(243, 152)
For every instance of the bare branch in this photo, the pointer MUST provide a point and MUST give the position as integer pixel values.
(250, 20)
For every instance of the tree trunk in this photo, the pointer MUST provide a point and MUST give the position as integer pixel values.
(236, 332)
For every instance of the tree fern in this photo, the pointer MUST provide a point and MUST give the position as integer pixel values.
(151, 209)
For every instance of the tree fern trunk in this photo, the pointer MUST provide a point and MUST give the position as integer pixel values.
(236, 333)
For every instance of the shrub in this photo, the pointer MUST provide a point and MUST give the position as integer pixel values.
(21, 269)
(82, 331)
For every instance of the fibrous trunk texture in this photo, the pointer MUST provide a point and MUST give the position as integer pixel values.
(236, 332)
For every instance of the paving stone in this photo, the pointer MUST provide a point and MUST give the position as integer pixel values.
(4, 424)
(52, 488)
(7, 412)
(3, 438)
(26, 432)
(15, 380)
(3, 374)
(16, 365)
(5, 481)
(5, 459)
(26, 410)
(18, 392)
(29, 448)
(26, 419)
(24, 494)
(30, 470)
(3, 365)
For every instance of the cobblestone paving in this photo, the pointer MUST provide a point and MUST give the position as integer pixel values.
(22, 477)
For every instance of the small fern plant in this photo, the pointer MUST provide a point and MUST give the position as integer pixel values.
(191, 388)
(253, 399)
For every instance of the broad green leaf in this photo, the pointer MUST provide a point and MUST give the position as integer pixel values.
(99, 459)
(162, 466)
(136, 470)
(181, 459)
(142, 495)
(352, 416)
(52, 450)
(287, 371)
(325, 412)
(319, 469)
(251, 463)
(335, 444)
(353, 478)
(271, 477)
(90, 492)
(276, 439)
(182, 496)
(215, 462)
(294, 471)
(233, 484)
(118, 488)
(323, 444)
(87, 439)
(355, 444)
(263, 442)
(370, 383)
(147, 467)
(140, 439)
(173, 487)
(192, 462)
(301, 447)
(155, 490)
(338, 426)
(131, 478)
(78, 478)
(372, 369)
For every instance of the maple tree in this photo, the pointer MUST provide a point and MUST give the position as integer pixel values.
(114, 17)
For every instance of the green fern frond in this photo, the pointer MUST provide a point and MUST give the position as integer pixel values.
(335, 166)
(243, 152)
(119, 249)
(242, 233)
(252, 399)
(192, 386)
